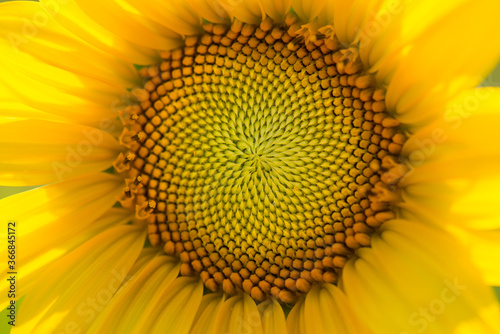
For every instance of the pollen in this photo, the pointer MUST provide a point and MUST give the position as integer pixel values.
(262, 157)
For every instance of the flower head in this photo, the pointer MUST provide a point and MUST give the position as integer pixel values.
(250, 166)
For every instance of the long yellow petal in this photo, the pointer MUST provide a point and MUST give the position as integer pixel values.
(175, 15)
(478, 207)
(462, 144)
(37, 152)
(239, 314)
(396, 24)
(174, 309)
(273, 317)
(308, 10)
(204, 321)
(55, 76)
(126, 308)
(276, 9)
(210, 10)
(469, 203)
(54, 90)
(12, 110)
(71, 16)
(250, 11)
(327, 15)
(484, 247)
(53, 44)
(417, 278)
(438, 67)
(338, 319)
(296, 321)
(37, 255)
(350, 17)
(120, 18)
(74, 289)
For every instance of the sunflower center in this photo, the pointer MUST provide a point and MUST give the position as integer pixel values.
(262, 156)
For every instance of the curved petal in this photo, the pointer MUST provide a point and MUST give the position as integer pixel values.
(73, 289)
(461, 145)
(478, 207)
(175, 15)
(173, 309)
(120, 18)
(350, 17)
(71, 16)
(54, 90)
(415, 91)
(37, 255)
(37, 152)
(204, 321)
(54, 45)
(11, 110)
(239, 314)
(338, 319)
(308, 10)
(210, 10)
(471, 204)
(277, 9)
(273, 317)
(249, 11)
(396, 24)
(327, 15)
(295, 322)
(44, 213)
(484, 247)
(424, 287)
(124, 311)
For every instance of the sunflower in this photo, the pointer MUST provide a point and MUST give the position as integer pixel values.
(225, 166)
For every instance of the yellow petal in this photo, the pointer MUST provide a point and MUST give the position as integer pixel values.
(36, 152)
(276, 9)
(471, 204)
(338, 319)
(204, 322)
(438, 67)
(210, 10)
(120, 18)
(173, 308)
(175, 15)
(151, 276)
(42, 248)
(239, 314)
(484, 247)
(417, 278)
(273, 317)
(461, 145)
(429, 202)
(75, 288)
(327, 15)
(478, 207)
(350, 15)
(12, 110)
(296, 321)
(147, 254)
(396, 24)
(55, 76)
(249, 11)
(308, 10)
(54, 90)
(56, 46)
(69, 15)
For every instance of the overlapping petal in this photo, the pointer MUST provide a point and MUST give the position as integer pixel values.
(63, 298)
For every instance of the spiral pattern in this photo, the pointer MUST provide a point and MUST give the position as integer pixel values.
(257, 155)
